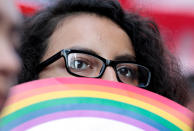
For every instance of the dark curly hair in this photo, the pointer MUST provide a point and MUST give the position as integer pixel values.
(149, 49)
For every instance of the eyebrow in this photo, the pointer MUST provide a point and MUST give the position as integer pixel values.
(125, 57)
(84, 49)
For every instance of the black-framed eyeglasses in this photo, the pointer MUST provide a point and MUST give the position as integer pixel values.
(84, 64)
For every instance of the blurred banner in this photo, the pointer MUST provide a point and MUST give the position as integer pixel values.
(175, 19)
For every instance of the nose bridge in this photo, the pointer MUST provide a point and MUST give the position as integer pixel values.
(109, 74)
(108, 62)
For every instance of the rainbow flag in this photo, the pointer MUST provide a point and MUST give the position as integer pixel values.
(91, 105)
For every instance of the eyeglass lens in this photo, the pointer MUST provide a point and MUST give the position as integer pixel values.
(84, 64)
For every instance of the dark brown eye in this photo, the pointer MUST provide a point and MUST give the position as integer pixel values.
(79, 65)
(124, 71)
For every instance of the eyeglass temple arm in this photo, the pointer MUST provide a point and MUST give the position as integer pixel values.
(49, 61)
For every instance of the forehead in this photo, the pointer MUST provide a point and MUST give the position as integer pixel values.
(93, 32)
(8, 12)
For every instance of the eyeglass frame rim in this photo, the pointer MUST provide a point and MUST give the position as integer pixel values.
(65, 52)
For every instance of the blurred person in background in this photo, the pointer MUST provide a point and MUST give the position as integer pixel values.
(98, 39)
(190, 105)
(10, 24)
(190, 80)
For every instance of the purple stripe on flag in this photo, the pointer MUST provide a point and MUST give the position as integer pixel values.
(86, 113)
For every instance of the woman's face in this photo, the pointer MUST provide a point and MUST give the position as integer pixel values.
(90, 33)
